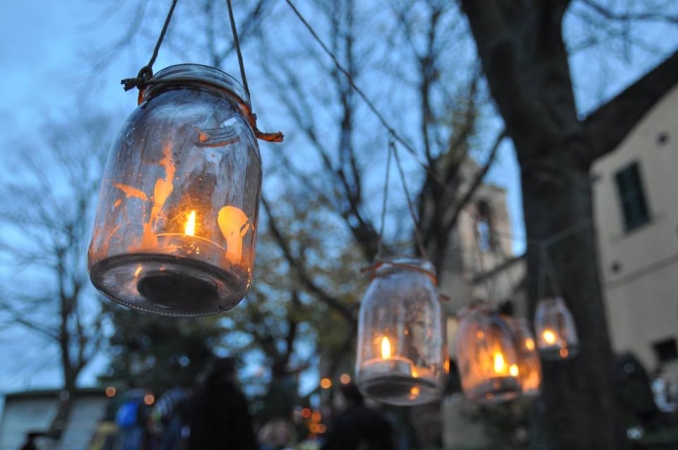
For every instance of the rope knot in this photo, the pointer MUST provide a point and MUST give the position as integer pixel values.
(144, 75)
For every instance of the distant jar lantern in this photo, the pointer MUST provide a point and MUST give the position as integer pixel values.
(176, 224)
(529, 365)
(555, 329)
(401, 355)
(486, 356)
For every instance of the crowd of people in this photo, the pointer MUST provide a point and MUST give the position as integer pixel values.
(215, 415)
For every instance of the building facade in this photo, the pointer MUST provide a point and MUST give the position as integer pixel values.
(636, 216)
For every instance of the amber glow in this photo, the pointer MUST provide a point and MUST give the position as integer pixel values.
(190, 224)
(414, 392)
(345, 378)
(385, 348)
(325, 383)
(234, 225)
(529, 344)
(513, 370)
(499, 364)
(149, 399)
(564, 353)
(110, 391)
(549, 336)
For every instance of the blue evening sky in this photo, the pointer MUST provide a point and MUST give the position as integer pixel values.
(42, 44)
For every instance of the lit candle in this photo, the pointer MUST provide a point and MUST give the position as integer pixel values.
(501, 378)
(549, 336)
(388, 364)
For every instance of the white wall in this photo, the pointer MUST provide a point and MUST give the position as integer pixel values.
(35, 413)
(642, 294)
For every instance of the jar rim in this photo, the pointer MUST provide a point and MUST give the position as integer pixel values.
(416, 263)
(200, 74)
(478, 306)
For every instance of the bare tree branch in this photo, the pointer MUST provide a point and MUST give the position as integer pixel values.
(300, 269)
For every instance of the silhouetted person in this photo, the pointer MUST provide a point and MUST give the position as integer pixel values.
(219, 417)
(172, 410)
(356, 425)
(131, 417)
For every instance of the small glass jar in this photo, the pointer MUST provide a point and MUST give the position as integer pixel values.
(529, 365)
(401, 343)
(176, 224)
(556, 333)
(486, 356)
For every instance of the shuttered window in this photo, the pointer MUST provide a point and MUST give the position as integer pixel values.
(632, 197)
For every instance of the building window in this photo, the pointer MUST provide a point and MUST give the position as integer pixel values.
(666, 350)
(484, 231)
(632, 197)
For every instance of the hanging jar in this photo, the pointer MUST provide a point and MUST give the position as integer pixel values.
(529, 365)
(401, 343)
(176, 224)
(555, 329)
(486, 355)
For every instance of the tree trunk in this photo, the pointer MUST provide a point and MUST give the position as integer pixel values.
(65, 404)
(578, 407)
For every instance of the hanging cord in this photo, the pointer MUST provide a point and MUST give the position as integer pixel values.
(410, 205)
(145, 76)
(146, 72)
(355, 87)
(550, 273)
(391, 147)
(427, 168)
(268, 137)
(236, 41)
(379, 261)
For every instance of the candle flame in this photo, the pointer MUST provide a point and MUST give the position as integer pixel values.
(385, 348)
(513, 370)
(499, 363)
(549, 336)
(529, 344)
(190, 224)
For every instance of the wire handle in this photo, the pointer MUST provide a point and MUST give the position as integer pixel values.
(145, 75)
(146, 72)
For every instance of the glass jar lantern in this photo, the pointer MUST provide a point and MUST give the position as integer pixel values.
(555, 329)
(401, 343)
(176, 224)
(529, 365)
(486, 356)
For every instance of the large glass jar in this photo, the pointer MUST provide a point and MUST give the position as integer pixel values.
(486, 355)
(401, 344)
(176, 225)
(529, 365)
(556, 333)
